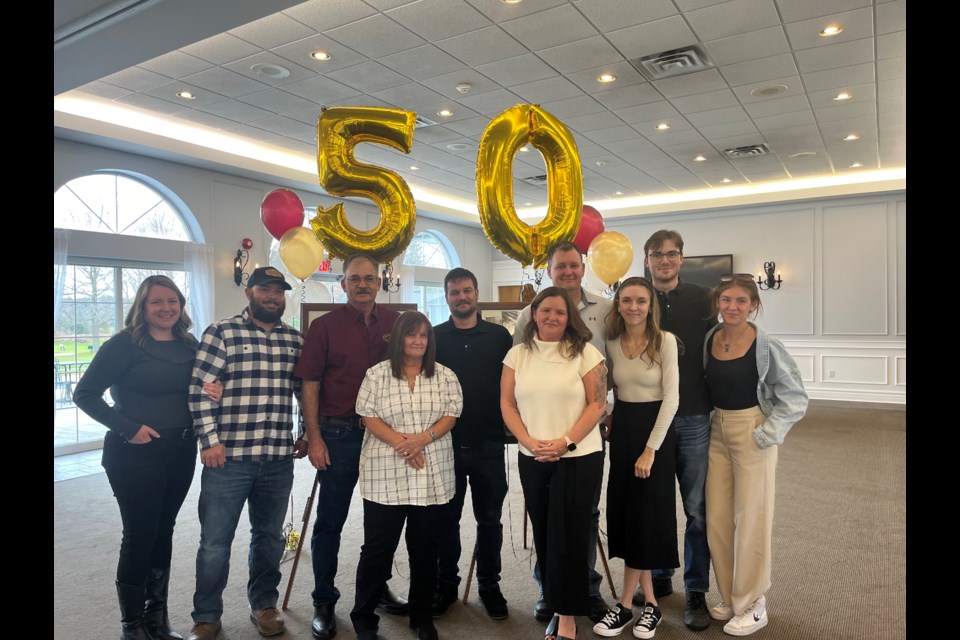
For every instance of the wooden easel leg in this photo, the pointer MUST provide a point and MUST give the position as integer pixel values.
(606, 568)
(307, 511)
(473, 565)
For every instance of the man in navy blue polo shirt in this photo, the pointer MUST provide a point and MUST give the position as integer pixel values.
(474, 349)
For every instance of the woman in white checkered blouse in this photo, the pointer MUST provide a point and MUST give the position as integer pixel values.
(409, 404)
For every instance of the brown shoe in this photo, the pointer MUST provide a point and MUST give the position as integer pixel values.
(269, 621)
(204, 631)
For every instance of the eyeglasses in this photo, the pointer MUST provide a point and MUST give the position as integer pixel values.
(730, 277)
(659, 255)
(367, 280)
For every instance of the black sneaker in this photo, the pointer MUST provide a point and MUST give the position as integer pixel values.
(696, 615)
(598, 608)
(616, 620)
(442, 600)
(647, 623)
(494, 602)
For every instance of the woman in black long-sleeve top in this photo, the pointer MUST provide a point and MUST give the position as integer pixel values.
(149, 451)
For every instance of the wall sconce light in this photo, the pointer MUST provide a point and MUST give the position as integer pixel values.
(391, 284)
(768, 281)
(240, 262)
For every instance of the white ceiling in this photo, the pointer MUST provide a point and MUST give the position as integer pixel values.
(412, 55)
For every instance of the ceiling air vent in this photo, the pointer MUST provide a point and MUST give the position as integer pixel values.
(749, 151)
(537, 181)
(423, 122)
(675, 62)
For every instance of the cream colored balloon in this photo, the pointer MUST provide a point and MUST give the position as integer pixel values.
(301, 252)
(610, 256)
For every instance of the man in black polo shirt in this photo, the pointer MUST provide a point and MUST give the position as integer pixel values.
(474, 349)
(685, 312)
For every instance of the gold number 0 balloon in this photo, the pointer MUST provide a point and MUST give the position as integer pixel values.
(503, 137)
(339, 130)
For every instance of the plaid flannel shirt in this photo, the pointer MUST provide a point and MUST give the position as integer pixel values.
(255, 415)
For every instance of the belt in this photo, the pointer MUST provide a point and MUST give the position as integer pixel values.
(353, 421)
(179, 434)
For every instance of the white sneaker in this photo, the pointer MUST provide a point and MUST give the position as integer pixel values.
(750, 621)
(722, 611)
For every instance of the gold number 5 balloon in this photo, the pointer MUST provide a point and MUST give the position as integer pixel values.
(339, 130)
(503, 137)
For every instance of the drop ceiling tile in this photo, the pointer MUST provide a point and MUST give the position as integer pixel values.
(895, 88)
(891, 16)
(645, 112)
(103, 90)
(865, 126)
(299, 53)
(793, 86)
(375, 36)
(687, 136)
(225, 82)
(460, 112)
(748, 46)
(717, 116)
(470, 127)
(613, 134)
(368, 77)
(556, 88)
(716, 131)
(836, 55)
(792, 134)
(550, 28)
(237, 111)
(169, 92)
(321, 90)
(288, 127)
(573, 107)
(840, 78)
(447, 84)
(608, 15)
(259, 135)
(329, 14)
(221, 49)
(176, 64)
(136, 79)
(491, 103)
(776, 106)
(892, 45)
(891, 68)
(437, 19)
(244, 67)
(690, 5)
(652, 37)
(759, 70)
(649, 129)
(732, 18)
(690, 83)
(628, 96)
(150, 103)
(422, 62)
(206, 119)
(582, 54)
(499, 11)
(741, 140)
(592, 122)
(272, 31)
(791, 10)
(856, 25)
(843, 112)
(518, 70)
(434, 134)
(705, 101)
(278, 101)
(409, 96)
(482, 46)
(628, 146)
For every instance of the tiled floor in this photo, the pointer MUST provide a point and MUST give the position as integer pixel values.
(77, 465)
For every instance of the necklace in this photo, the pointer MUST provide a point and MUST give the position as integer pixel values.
(726, 345)
(630, 351)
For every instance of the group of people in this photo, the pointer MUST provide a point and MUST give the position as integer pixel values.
(415, 413)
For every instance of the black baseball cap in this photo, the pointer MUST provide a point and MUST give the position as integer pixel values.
(266, 275)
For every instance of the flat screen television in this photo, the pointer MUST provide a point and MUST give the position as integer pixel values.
(703, 270)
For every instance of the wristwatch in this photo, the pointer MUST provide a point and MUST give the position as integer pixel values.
(571, 445)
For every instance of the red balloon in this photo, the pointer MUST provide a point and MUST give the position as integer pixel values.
(280, 211)
(591, 225)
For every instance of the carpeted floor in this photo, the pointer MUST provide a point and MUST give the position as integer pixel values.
(839, 550)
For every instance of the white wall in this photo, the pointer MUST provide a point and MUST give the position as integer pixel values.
(841, 310)
(227, 209)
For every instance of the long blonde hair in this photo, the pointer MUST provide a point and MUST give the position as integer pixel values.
(617, 327)
(136, 323)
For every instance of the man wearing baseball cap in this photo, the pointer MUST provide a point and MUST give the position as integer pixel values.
(246, 447)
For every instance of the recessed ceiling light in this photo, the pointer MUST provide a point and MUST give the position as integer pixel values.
(663, 126)
(606, 77)
(601, 163)
(445, 113)
(726, 181)
(321, 56)
(700, 159)
(458, 146)
(856, 165)
(852, 136)
(414, 167)
(186, 95)
(524, 149)
(843, 95)
(831, 30)
(769, 90)
(270, 70)
(802, 154)
(511, 1)
(528, 204)
(618, 193)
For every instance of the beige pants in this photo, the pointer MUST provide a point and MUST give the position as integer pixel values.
(739, 495)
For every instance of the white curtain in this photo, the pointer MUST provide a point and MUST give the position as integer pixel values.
(61, 238)
(198, 259)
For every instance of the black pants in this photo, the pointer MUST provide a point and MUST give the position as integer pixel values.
(150, 482)
(382, 524)
(485, 469)
(559, 497)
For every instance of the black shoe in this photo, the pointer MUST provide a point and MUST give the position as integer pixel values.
(696, 615)
(598, 608)
(551, 631)
(662, 587)
(324, 622)
(425, 630)
(131, 612)
(156, 621)
(540, 610)
(442, 600)
(494, 602)
(393, 604)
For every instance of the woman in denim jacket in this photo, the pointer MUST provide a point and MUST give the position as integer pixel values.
(758, 396)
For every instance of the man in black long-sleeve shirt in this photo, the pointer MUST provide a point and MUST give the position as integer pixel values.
(474, 349)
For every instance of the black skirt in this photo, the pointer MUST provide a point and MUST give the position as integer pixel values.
(641, 513)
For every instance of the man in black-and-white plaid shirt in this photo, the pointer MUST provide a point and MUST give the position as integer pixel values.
(246, 447)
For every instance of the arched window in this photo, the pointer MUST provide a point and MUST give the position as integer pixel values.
(116, 203)
(427, 259)
(430, 249)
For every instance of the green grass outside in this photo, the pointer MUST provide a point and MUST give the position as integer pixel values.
(71, 351)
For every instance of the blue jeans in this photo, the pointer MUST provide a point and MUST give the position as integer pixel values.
(594, 576)
(485, 467)
(343, 438)
(265, 486)
(693, 447)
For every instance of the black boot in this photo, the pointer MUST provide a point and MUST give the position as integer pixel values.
(155, 618)
(131, 612)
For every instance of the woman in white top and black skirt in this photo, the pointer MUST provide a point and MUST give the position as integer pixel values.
(553, 392)
(641, 491)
